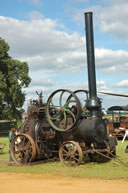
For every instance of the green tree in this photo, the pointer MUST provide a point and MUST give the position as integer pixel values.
(13, 78)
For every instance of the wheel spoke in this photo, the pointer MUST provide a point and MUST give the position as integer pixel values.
(76, 154)
(73, 156)
(65, 151)
(28, 145)
(66, 157)
(53, 104)
(53, 107)
(68, 102)
(23, 142)
(65, 121)
(60, 99)
(71, 113)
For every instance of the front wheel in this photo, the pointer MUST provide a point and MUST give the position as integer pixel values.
(70, 153)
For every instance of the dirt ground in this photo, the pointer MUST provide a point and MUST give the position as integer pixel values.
(42, 183)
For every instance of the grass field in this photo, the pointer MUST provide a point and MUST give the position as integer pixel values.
(108, 170)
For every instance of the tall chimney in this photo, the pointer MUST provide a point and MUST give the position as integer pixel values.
(93, 103)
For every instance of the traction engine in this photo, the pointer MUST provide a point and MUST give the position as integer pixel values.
(64, 128)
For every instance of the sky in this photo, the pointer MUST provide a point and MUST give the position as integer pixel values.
(50, 36)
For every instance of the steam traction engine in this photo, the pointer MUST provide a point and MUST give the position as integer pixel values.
(63, 128)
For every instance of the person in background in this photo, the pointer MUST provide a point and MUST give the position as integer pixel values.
(12, 134)
(19, 130)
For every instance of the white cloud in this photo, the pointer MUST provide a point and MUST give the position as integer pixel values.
(41, 82)
(101, 85)
(123, 83)
(36, 2)
(114, 1)
(46, 48)
(35, 15)
(111, 18)
(109, 61)
(51, 52)
(43, 46)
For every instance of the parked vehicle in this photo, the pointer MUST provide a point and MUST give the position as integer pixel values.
(118, 121)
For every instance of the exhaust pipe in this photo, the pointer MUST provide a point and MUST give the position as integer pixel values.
(93, 103)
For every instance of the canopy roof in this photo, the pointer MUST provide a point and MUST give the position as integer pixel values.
(118, 108)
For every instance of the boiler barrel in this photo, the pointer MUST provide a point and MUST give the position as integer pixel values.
(91, 130)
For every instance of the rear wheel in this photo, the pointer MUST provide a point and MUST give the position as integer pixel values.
(23, 149)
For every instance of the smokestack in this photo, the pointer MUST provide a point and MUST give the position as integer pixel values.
(93, 103)
(90, 54)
